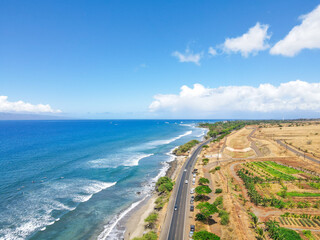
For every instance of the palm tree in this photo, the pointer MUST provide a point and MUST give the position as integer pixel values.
(260, 233)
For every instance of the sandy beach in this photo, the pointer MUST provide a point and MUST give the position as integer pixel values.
(135, 225)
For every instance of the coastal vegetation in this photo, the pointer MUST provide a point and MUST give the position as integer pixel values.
(151, 220)
(181, 150)
(164, 185)
(222, 129)
(148, 236)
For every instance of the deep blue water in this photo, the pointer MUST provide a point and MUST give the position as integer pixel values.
(71, 179)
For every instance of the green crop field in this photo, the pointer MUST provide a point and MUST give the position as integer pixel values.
(315, 185)
(274, 172)
(301, 194)
(284, 169)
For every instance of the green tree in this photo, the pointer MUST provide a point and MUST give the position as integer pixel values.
(205, 235)
(202, 190)
(164, 185)
(207, 209)
(203, 181)
(200, 217)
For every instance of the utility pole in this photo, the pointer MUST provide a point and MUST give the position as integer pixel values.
(218, 151)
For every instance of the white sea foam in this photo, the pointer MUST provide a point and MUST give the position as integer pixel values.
(135, 160)
(105, 234)
(33, 211)
(129, 159)
(167, 141)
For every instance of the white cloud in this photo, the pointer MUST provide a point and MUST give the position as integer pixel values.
(188, 56)
(212, 51)
(266, 98)
(253, 41)
(306, 35)
(20, 106)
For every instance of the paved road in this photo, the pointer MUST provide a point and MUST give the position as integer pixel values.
(178, 218)
(297, 152)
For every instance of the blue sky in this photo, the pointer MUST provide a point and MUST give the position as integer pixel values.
(110, 59)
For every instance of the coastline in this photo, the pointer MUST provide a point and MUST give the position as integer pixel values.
(134, 223)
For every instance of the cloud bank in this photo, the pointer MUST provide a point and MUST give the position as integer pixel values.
(188, 56)
(252, 42)
(23, 107)
(291, 96)
(304, 36)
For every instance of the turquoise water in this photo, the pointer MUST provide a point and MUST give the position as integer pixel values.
(76, 179)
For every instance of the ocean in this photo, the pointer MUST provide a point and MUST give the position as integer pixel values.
(76, 179)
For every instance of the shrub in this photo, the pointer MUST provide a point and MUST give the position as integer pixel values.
(218, 202)
(151, 220)
(148, 236)
(218, 190)
(205, 235)
(224, 215)
(205, 161)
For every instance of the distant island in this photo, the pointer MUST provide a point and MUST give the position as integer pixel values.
(28, 116)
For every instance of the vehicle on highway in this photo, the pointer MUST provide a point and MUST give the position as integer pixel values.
(186, 181)
(175, 207)
(192, 228)
(191, 208)
(185, 170)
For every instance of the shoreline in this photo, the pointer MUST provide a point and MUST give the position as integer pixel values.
(134, 223)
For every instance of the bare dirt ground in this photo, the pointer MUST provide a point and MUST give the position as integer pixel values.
(304, 137)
